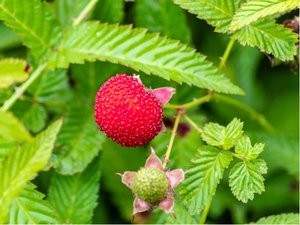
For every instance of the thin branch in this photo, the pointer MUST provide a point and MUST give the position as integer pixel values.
(84, 12)
(226, 53)
(19, 91)
(192, 123)
(191, 104)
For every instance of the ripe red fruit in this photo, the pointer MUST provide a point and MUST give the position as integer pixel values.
(127, 112)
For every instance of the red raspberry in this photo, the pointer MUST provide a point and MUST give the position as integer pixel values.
(128, 113)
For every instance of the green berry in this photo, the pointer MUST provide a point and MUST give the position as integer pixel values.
(150, 185)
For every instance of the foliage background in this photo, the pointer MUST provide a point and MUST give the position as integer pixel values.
(271, 90)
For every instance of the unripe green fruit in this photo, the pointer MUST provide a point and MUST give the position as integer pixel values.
(150, 185)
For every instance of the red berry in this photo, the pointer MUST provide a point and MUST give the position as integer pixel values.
(128, 113)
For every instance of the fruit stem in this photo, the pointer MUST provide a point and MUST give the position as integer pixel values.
(226, 53)
(84, 12)
(192, 123)
(191, 104)
(167, 155)
(252, 112)
(19, 91)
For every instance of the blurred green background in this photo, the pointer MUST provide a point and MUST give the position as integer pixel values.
(271, 90)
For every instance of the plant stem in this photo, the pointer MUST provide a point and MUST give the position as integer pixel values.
(205, 211)
(226, 53)
(252, 112)
(167, 155)
(191, 122)
(19, 91)
(84, 12)
(191, 104)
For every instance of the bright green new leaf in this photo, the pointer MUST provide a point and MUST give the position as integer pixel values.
(12, 70)
(79, 138)
(217, 13)
(225, 137)
(135, 48)
(5, 148)
(30, 208)
(270, 38)
(245, 150)
(253, 10)
(203, 176)
(245, 179)
(23, 164)
(285, 218)
(33, 22)
(12, 129)
(75, 197)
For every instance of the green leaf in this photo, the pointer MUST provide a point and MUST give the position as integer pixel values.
(144, 52)
(156, 17)
(270, 37)
(51, 88)
(9, 39)
(6, 148)
(253, 10)
(225, 137)
(285, 218)
(33, 22)
(105, 11)
(12, 70)
(203, 176)
(182, 216)
(35, 118)
(245, 179)
(79, 138)
(30, 208)
(75, 197)
(23, 164)
(12, 129)
(217, 13)
(245, 150)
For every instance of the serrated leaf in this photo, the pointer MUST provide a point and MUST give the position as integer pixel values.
(35, 118)
(253, 10)
(144, 52)
(52, 88)
(79, 138)
(30, 207)
(155, 16)
(203, 176)
(9, 39)
(12, 129)
(182, 216)
(225, 137)
(245, 179)
(285, 218)
(6, 147)
(269, 37)
(33, 22)
(75, 197)
(217, 13)
(12, 70)
(23, 164)
(245, 150)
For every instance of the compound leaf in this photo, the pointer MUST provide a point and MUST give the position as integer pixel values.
(203, 176)
(245, 179)
(75, 197)
(22, 165)
(33, 22)
(135, 48)
(30, 208)
(12, 70)
(225, 137)
(285, 218)
(217, 13)
(79, 138)
(270, 37)
(253, 10)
